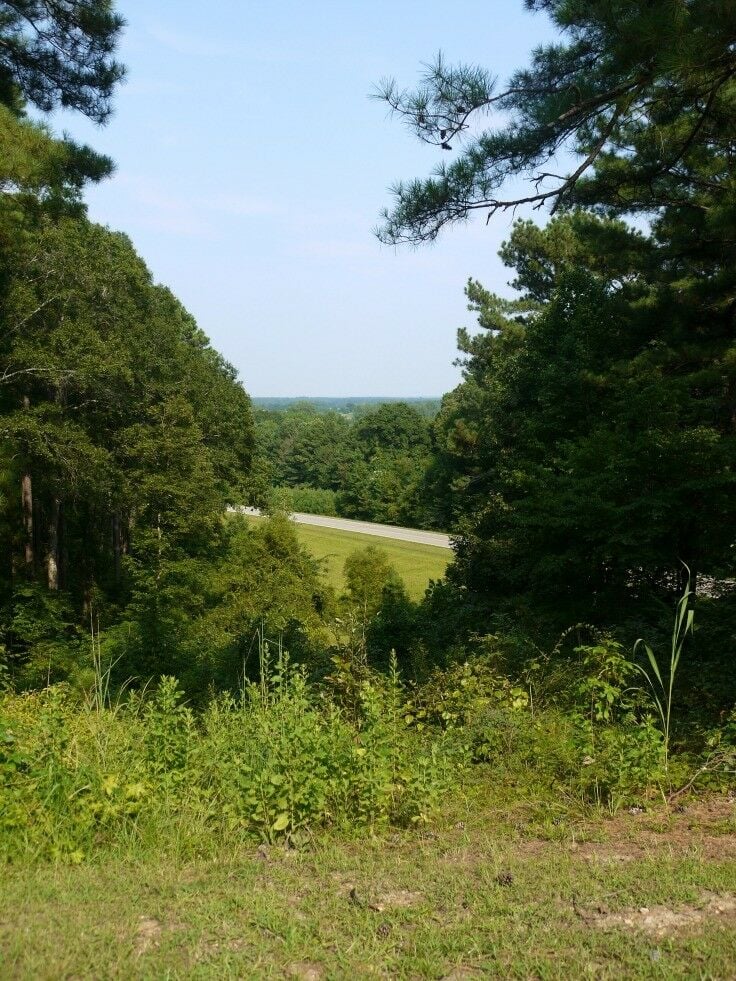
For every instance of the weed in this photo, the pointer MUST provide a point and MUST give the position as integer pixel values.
(278, 761)
(661, 689)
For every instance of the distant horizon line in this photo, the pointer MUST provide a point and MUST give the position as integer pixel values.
(414, 398)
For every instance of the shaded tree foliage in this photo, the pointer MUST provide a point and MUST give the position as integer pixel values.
(53, 54)
(124, 434)
(590, 447)
(60, 54)
(590, 450)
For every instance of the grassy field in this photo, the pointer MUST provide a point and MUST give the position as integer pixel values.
(494, 891)
(416, 564)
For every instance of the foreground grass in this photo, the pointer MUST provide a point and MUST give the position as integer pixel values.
(416, 564)
(485, 893)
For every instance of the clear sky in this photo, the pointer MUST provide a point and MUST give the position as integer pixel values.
(251, 167)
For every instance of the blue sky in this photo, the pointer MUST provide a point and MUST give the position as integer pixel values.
(251, 168)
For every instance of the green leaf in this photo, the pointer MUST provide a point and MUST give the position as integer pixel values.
(281, 823)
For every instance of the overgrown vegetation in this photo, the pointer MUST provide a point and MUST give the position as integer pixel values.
(175, 682)
(286, 756)
(277, 761)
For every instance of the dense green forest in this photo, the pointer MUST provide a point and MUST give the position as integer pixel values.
(592, 443)
(123, 433)
(171, 672)
(374, 463)
(584, 463)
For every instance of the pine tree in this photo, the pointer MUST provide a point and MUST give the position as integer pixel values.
(591, 448)
(641, 95)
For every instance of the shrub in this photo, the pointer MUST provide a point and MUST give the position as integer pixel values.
(454, 696)
(279, 761)
(619, 744)
(368, 574)
(473, 700)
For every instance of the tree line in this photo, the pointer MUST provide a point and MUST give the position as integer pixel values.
(375, 464)
(123, 433)
(592, 443)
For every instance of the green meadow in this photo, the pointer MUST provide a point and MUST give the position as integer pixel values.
(496, 889)
(416, 564)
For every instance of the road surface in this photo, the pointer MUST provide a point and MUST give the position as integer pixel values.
(363, 528)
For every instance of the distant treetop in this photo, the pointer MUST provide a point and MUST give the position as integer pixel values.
(346, 405)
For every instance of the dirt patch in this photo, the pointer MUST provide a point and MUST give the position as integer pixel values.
(532, 847)
(149, 931)
(705, 827)
(305, 971)
(147, 934)
(610, 853)
(660, 921)
(378, 902)
(461, 973)
(207, 950)
(466, 858)
(398, 899)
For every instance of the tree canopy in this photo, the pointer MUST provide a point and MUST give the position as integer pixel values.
(584, 445)
(633, 110)
(591, 447)
(53, 54)
(60, 54)
(126, 432)
(370, 465)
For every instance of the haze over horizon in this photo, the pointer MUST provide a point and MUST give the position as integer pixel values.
(251, 168)
(345, 398)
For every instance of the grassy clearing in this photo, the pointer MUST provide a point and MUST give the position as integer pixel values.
(493, 891)
(416, 564)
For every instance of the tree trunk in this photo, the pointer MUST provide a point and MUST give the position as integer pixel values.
(116, 546)
(26, 489)
(26, 493)
(52, 557)
(63, 549)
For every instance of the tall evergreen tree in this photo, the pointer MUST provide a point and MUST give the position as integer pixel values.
(54, 54)
(592, 446)
(126, 432)
(583, 447)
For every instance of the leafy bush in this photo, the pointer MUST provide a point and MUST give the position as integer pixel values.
(279, 761)
(473, 699)
(619, 744)
(46, 639)
(368, 573)
(601, 741)
(454, 696)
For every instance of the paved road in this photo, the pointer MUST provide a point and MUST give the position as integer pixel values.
(364, 528)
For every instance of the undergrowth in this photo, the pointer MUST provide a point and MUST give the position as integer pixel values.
(276, 761)
(360, 750)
